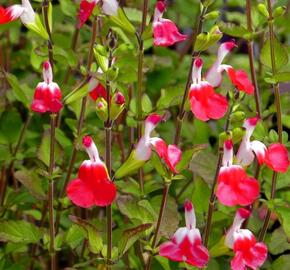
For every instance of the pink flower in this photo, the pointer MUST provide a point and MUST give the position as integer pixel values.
(248, 252)
(241, 81)
(47, 95)
(204, 102)
(165, 31)
(234, 186)
(186, 245)
(86, 9)
(277, 158)
(249, 149)
(97, 90)
(213, 76)
(10, 14)
(171, 154)
(93, 185)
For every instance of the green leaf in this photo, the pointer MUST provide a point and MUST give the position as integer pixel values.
(279, 77)
(130, 236)
(92, 234)
(235, 30)
(50, 16)
(38, 27)
(207, 39)
(68, 9)
(169, 97)
(146, 104)
(19, 232)
(31, 182)
(278, 242)
(75, 236)
(18, 92)
(282, 263)
(77, 94)
(219, 249)
(204, 165)
(284, 217)
(8, 130)
(101, 58)
(122, 21)
(281, 55)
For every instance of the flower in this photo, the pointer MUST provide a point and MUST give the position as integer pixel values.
(234, 186)
(213, 76)
(96, 89)
(249, 149)
(109, 7)
(47, 95)
(165, 31)
(171, 154)
(204, 102)
(186, 245)
(85, 11)
(93, 185)
(277, 158)
(239, 78)
(143, 150)
(248, 252)
(10, 14)
(28, 16)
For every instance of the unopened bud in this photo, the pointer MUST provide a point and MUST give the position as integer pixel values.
(238, 134)
(279, 11)
(224, 136)
(263, 10)
(102, 109)
(212, 15)
(238, 116)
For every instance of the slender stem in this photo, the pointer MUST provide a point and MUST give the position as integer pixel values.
(45, 5)
(2, 184)
(159, 222)
(212, 199)
(79, 124)
(51, 192)
(108, 146)
(181, 113)
(278, 114)
(250, 44)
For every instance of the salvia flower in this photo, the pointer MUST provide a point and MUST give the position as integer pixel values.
(10, 14)
(249, 149)
(239, 78)
(204, 102)
(248, 252)
(234, 186)
(93, 185)
(213, 76)
(165, 31)
(171, 154)
(47, 95)
(277, 158)
(186, 244)
(143, 150)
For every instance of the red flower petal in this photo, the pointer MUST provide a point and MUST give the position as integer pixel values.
(173, 157)
(171, 251)
(38, 106)
(240, 79)
(237, 263)
(235, 188)
(166, 33)
(277, 158)
(205, 103)
(9, 14)
(95, 183)
(86, 9)
(98, 91)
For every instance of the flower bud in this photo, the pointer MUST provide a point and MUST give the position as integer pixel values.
(224, 136)
(263, 10)
(238, 134)
(212, 15)
(117, 105)
(237, 117)
(102, 109)
(279, 11)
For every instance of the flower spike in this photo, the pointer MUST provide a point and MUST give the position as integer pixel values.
(93, 185)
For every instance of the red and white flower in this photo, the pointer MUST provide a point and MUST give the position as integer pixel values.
(248, 252)
(234, 186)
(93, 185)
(277, 158)
(47, 95)
(109, 7)
(11, 13)
(186, 244)
(165, 31)
(204, 102)
(171, 154)
(239, 78)
(97, 89)
(249, 149)
(143, 150)
(213, 76)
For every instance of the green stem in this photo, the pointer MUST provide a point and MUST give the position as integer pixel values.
(51, 192)
(250, 44)
(278, 114)
(159, 222)
(181, 113)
